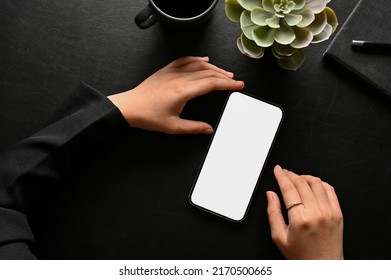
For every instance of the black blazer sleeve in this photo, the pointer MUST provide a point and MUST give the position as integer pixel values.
(86, 122)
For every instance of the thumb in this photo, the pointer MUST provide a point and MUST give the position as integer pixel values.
(276, 220)
(184, 126)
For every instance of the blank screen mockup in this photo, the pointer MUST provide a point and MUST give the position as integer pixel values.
(236, 156)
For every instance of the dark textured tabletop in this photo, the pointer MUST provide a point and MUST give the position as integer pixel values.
(131, 202)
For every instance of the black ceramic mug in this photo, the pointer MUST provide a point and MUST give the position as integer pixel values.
(176, 13)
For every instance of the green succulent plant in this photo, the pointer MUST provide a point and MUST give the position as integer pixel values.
(287, 26)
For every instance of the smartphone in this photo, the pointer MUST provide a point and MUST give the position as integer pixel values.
(236, 156)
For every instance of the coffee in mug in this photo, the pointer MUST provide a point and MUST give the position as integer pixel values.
(179, 14)
(183, 8)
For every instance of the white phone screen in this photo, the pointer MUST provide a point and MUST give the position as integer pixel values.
(236, 156)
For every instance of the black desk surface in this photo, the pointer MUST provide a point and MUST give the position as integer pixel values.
(132, 201)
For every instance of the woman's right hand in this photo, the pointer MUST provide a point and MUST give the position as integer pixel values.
(315, 226)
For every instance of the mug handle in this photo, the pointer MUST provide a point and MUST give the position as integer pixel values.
(146, 17)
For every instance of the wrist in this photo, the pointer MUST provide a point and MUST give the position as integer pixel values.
(123, 101)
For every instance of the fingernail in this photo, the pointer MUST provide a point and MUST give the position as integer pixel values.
(206, 58)
(208, 130)
(240, 83)
(271, 196)
(230, 74)
(277, 168)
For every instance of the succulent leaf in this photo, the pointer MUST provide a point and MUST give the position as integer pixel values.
(250, 4)
(273, 22)
(299, 5)
(247, 24)
(260, 15)
(318, 24)
(324, 35)
(233, 10)
(316, 5)
(281, 51)
(331, 18)
(250, 48)
(264, 36)
(268, 5)
(303, 38)
(284, 35)
(308, 18)
(293, 62)
(292, 19)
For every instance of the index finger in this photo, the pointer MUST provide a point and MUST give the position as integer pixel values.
(208, 84)
(200, 65)
(287, 187)
(179, 62)
(333, 197)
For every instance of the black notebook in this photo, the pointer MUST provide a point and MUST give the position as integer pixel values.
(369, 21)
